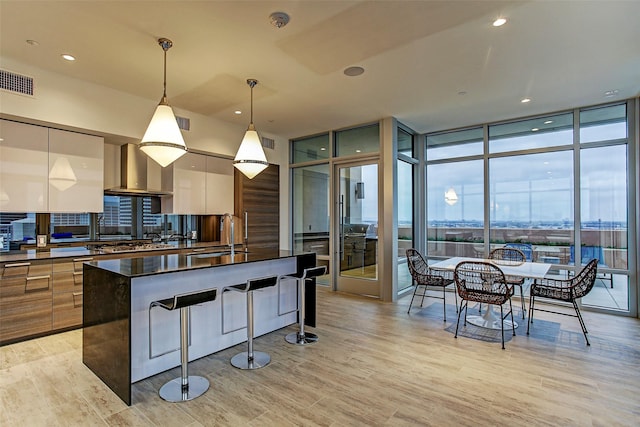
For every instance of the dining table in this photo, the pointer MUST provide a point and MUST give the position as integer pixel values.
(527, 269)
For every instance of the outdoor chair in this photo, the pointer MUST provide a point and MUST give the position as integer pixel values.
(516, 256)
(564, 290)
(484, 283)
(588, 253)
(525, 248)
(424, 276)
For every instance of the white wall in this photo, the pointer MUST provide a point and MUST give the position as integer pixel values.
(68, 103)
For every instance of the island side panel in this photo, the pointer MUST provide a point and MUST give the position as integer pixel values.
(105, 336)
(308, 260)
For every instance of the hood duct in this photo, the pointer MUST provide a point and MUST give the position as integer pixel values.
(133, 174)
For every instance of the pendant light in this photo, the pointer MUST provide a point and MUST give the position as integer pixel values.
(163, 141)
(250, 158)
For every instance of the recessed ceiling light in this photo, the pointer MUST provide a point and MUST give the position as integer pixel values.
(323, 149)
(548, 122)
(68, 57)
(33, 42)
(611, 92)
(238, 112)
(525, 100)
(353, 71)
(534, 129)
(358, 151)
(499, 22)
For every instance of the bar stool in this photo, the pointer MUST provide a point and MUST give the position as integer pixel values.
(251, 359)
(301, 337)
(185, 387)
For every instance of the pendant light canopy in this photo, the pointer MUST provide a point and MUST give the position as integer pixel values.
(163, 141)
(250, 158)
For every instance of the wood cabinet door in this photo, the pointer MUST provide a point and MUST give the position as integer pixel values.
(260, 199)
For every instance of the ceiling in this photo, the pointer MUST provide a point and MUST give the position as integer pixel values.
(433, 65)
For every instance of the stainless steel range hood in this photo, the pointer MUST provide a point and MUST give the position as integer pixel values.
(133, 175)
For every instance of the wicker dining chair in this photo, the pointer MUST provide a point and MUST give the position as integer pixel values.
(564, 290)
(484, 283)
(512, 256)
(424, 277)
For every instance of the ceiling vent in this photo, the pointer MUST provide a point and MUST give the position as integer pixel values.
(16, 83)
(268, 143)
(183, 123)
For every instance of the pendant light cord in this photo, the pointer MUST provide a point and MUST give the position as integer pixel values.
(251, 83)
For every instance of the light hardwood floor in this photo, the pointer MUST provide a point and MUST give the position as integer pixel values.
(373, 365)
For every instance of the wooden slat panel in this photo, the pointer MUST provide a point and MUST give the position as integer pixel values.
(260, 198)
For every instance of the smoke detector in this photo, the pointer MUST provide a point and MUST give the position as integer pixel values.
(279, 19)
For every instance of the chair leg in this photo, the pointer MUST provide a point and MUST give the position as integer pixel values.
(414, 295)
(444, 303)
(513, 325)
(582, 325)
(458, 323)
(524, 309)
(502, 324)
(529, 320)
(424, 293)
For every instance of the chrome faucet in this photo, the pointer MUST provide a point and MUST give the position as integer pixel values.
(231, 236)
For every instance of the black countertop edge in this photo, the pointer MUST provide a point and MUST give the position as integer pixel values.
(151, 265)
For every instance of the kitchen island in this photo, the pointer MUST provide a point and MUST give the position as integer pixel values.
(125, 341)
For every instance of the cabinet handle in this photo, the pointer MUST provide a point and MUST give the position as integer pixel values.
(75, 298)
(38, 288)
(199, 250)
(83, 259)
(77, 278)
(15, 265)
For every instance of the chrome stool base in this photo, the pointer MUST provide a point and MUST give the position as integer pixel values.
(242, 360)
(172, 391)
(299, 339)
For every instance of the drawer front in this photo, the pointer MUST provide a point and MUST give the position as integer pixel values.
(66, 281)
(19, 287)
(24, 316)
(67, 309)
(62, 266)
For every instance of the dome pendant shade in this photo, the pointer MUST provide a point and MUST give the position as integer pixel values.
(250, 158)
(163, 141)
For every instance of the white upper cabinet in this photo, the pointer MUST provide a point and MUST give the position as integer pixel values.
(76, 172)
(23, 167)
(201, 185)
(186, 178)
(220, 188)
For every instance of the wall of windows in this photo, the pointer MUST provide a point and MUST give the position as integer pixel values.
(547, 184)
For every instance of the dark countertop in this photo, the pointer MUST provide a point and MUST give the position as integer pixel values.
(150, 265)
(81, 251)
